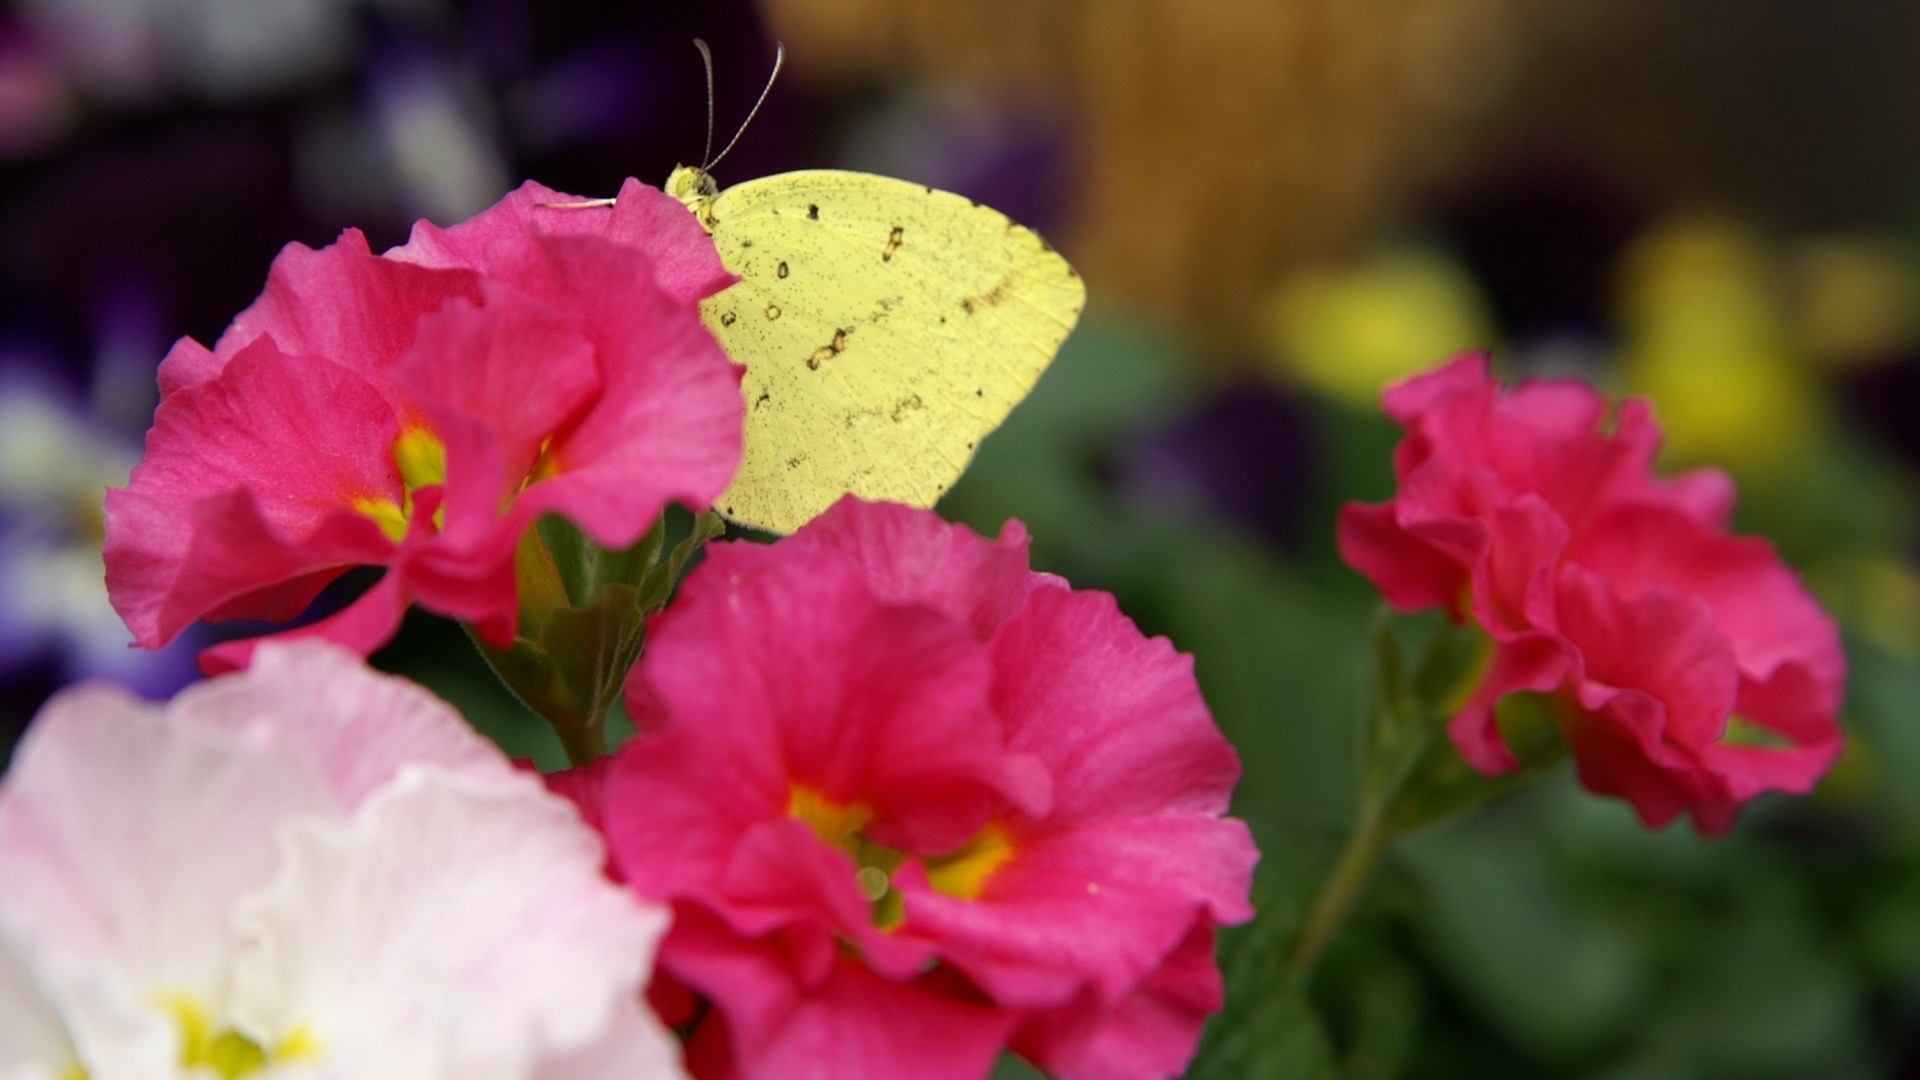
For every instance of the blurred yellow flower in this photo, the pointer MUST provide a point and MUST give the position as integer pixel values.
(1858, 299)
(1705, 337)
(1349, 332)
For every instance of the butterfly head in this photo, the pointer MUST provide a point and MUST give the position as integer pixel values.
(695, 189)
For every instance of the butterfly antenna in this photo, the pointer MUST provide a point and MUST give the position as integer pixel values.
(779, 56)
(706, 60)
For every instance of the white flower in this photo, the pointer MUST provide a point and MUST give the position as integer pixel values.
(307, 870)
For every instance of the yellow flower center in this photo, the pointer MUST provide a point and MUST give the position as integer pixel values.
(962, 873)
(422, 460)
(225, 1051)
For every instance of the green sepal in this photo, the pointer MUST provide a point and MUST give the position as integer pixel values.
(569, 661)
(1414, 774)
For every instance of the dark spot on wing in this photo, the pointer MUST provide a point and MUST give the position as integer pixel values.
(728, 319)
(991, 298)
(893, 243)
(746, 243)
(906, 405)
(773, 312)
(764, 399)
(979, 392)
(813, 212)
(828, 351)
(782, 272)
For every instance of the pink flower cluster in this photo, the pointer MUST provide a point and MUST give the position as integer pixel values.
(417, 410)
(1691, 668)
(910, 803)
(913, 802)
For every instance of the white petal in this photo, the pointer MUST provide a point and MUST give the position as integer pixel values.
(33, 1041)
(326, 706)
(457, 929)
(54, 1016)
(635, 1047)
(126, 842)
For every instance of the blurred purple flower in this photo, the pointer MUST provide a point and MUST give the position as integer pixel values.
(56, 460)
(36, 104)
(1015, 159)
(1246, 456)
(141, 50)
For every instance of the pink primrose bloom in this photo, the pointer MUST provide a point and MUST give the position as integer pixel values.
(307, 870)
(1692, 669)
(418, 409)
(914, 803)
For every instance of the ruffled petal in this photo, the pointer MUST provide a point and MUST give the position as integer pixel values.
(1094, 908)
(908, 557)
(682, 259)
(105, 809)
(250, 483)
(1150, 1035)
(342, 303)
(450, 929)
(667, 424)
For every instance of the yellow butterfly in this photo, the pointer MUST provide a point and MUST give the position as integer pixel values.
(886, 328)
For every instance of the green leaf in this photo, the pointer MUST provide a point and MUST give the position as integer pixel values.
(1508, 935)
(1013, 1068)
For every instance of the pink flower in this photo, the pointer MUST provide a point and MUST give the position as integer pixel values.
(418, 410)
(1692, 669)
(307, 870)
(914, 803)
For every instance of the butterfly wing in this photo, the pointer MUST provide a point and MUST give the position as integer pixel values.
(886, 328)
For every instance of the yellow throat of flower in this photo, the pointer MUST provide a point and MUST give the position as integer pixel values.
(962, 873)
(225, 1051)
(422, 460)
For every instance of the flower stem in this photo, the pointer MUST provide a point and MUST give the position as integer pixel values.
(585, 742)
(1370, 839)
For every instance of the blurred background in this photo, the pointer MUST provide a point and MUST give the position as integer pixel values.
(1279, 206)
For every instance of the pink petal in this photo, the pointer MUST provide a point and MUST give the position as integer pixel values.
(249, 482)
(852, 1024)
(518, 367)
(1097, 906)
(1115, 716)
(341, 303)
(860, 700)
(1409, 572)
(680, 253)
(912, 557)
(1150, 1035)
(1532, 662)
(362, 626)
(667, 425)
